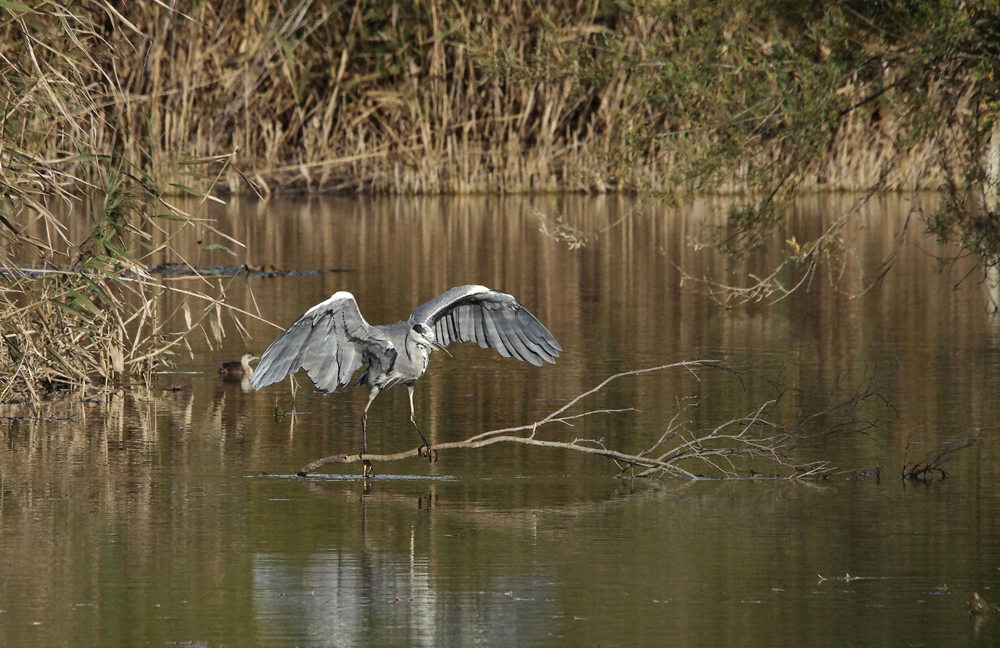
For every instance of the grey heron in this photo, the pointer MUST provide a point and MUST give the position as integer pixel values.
(238, 371)
(331, 341)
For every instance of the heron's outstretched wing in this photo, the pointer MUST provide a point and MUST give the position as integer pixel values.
(491, 318)
(330, 341)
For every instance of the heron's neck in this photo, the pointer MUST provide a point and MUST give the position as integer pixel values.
(418, 353)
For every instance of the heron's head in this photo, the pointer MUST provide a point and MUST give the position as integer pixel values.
(425, 335)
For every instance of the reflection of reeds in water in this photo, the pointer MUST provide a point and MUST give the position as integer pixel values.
(617, 303)
(117, 486)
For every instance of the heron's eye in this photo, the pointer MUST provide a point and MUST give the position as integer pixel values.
(423, 331)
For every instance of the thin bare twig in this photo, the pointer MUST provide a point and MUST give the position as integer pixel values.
(748, 439)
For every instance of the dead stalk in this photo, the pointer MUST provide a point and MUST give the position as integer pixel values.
(723, 453)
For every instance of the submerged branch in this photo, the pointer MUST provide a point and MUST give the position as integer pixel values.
(730, 449)
(468, 444)
(933, 462)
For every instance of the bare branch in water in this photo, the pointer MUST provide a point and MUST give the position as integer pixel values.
(738, 447)
(932, 462)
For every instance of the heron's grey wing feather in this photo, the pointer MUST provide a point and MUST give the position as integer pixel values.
(507, 335)
(493, 336)
(531, 350)
(490, 317)
(466, 324)
(531, 339)
(479, 333)
(538, 334)
(330, 341)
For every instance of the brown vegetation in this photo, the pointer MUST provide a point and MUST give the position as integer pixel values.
(443, 97)
(109, 109)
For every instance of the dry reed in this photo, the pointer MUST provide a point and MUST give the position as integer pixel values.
(106, 107)
(433, 97)
(80, 311)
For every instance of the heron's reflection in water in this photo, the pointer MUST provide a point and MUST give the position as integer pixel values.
(381, 598)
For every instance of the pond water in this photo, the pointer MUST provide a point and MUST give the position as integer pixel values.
(175, 517)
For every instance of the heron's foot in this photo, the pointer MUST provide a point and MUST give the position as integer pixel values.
(425, 450)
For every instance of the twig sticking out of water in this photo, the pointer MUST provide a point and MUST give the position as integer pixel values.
(932, 462)
(731, 449)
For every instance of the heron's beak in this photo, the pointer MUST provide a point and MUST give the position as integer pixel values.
(441, 348)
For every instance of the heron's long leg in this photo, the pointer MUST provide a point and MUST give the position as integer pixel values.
(413, 419)
(364, 418)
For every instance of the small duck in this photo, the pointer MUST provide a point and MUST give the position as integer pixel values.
(238, 371)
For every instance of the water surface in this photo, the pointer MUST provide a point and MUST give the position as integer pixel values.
(174, 517)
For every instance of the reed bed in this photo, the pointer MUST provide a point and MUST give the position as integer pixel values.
(81, 311)
(490, 96)
(111, 107)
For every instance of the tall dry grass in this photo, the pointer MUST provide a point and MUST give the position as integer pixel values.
(446, 97)
(110, 107)
(80, 312)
